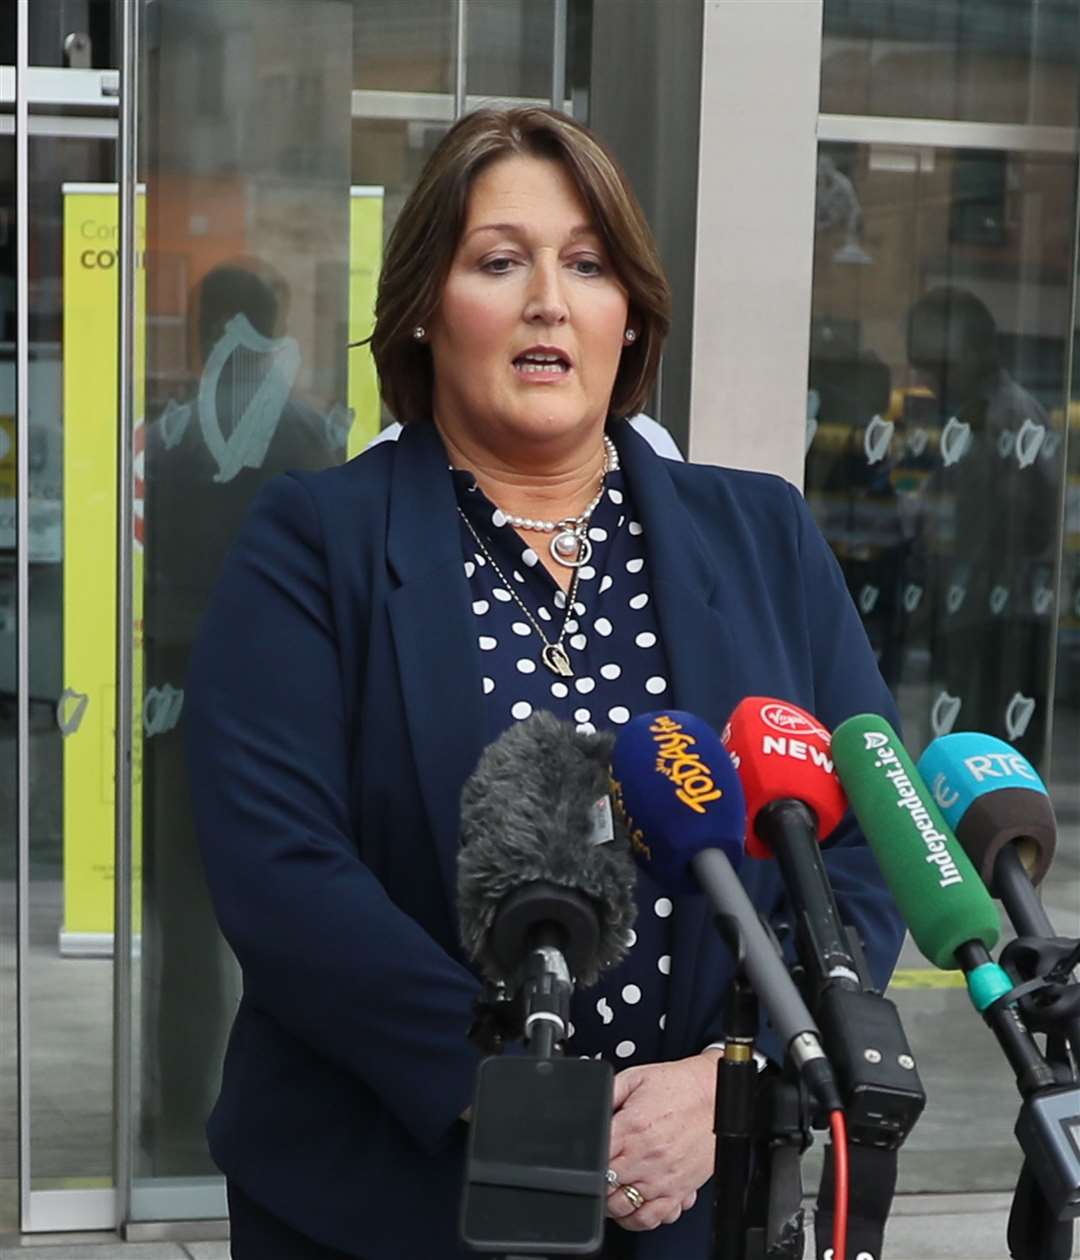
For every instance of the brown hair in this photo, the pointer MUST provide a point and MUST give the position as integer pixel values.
(425, 238)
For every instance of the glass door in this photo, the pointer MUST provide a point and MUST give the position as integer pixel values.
(941, 440)
(278, 142)
(57, 507)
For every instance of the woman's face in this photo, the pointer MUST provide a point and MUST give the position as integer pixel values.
(527, 337)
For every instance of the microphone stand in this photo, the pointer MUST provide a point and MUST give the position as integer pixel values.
(733, 1122)
(762, 1128)
(538, 1140)
(1042, 964)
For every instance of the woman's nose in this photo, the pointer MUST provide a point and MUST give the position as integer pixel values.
(546, 301)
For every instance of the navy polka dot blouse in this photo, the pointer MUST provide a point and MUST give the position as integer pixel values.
(620, 671)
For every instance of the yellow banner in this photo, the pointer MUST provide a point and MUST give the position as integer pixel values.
(365, 263)
(86, 713)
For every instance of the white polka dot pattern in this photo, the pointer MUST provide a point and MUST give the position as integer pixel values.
(619, 670)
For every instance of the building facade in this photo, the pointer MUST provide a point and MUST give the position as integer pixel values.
(868, 212)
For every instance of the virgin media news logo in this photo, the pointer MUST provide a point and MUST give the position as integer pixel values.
(788, 720)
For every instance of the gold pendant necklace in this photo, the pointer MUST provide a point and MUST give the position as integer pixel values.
(553, 655)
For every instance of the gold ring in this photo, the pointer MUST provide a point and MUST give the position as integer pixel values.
(635, 1196)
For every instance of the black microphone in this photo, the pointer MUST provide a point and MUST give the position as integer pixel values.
(545, 897)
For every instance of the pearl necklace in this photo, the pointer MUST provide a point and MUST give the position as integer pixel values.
(571, 546)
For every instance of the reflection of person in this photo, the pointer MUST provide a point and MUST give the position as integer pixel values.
(189, 986)
(379, 623)
(988, 514)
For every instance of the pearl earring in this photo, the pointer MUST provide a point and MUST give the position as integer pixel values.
(419, 332)
(629, 336)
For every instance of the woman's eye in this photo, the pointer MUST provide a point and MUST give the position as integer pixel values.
(587, 266)
(498, 266)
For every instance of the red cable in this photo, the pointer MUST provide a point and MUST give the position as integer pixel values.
(840, 1166)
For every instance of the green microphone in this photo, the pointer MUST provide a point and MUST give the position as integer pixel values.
(945, 904)
(940, 895)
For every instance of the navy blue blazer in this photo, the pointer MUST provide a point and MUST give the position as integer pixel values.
(334, 709)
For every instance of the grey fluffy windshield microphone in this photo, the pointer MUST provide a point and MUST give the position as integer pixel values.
(539, 851)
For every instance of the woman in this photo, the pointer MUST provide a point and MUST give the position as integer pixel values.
(377, 624)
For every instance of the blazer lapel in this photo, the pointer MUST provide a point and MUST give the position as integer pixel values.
(434, 636)
(699, 647)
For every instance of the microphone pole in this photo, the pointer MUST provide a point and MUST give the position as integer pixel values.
(795, 802)
(678, 793)
(733, 1120)
(545, 898)
(953, 921)
(999, 807)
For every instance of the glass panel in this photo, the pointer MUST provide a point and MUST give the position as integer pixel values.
(935, 466)
(9, 1098)
(81, 34)
(1007, 61)
(404, 48)
(248, 210)
(267, 207)
(510, 47)
(72, 524)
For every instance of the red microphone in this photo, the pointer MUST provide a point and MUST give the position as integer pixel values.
(793, 801)
(783, 754)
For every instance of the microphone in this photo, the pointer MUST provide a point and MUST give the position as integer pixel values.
(994, 800)
(997, 804)
(540, 855)
(944, 903)
(678, 794)
(545, 894)
(794, 800)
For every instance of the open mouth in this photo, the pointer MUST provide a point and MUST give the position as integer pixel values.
(542, 363)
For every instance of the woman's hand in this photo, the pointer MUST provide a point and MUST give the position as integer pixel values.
(662, 1140)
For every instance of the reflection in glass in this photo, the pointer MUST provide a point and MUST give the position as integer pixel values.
(1003, 61)
(68, 970)
(9, 1150)
(247, 320)
(936, 443)
(78, 34)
